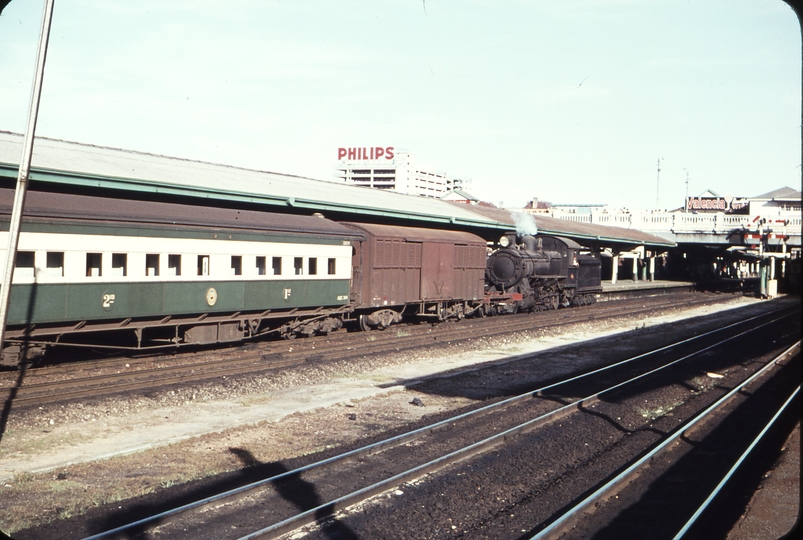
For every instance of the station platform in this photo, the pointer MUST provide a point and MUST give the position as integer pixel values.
(627, 288)
(628, 284)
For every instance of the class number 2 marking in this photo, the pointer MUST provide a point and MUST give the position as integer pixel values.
(108, 300)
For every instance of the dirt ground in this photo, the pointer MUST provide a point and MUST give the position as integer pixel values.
(59, 462)
(774, 510)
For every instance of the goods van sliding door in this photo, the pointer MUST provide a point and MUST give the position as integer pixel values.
(396, 272)
(437, 271)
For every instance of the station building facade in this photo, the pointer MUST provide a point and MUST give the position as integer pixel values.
(779, 208)
(764, 225)
(388, 169)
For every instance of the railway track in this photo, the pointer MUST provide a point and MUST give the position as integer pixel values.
(564, 524)
(321, 492)
(51, 384)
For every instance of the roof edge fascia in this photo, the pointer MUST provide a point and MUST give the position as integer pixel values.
(54, 176)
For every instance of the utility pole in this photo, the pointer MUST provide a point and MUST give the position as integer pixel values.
(686, 203)
(24, 170)
(658, 185)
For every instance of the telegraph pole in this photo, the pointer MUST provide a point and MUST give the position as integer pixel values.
(658, 185)
(686, 200)
(24, 170)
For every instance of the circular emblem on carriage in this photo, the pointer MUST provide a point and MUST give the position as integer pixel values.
(211, 296)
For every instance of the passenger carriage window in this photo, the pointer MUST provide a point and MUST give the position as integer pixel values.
(237, 265)
(277, 266)
(331, 267)
(119, 264)
(313, 266)
(93, 264)
(152, 264)
(174, 265)
(25, 264)
(298, 265)
(261, 269)
(55, 263)
(203, 265)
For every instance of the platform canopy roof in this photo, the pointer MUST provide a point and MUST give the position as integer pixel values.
(88, 167)
(784, 193)
(603, 234)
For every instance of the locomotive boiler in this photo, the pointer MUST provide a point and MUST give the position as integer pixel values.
(529, 273)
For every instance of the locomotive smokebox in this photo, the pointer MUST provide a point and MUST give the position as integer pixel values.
(508, 266)
(505, 268)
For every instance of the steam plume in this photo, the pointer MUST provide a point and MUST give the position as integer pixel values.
(525, 223)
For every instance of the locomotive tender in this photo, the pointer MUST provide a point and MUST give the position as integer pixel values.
(129, 275)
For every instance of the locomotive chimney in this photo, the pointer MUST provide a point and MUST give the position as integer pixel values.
(529, 242)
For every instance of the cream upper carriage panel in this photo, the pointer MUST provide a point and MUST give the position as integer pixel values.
(63, 258)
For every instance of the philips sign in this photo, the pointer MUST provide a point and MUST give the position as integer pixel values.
(374, 152)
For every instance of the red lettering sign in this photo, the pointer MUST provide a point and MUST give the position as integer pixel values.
(704, 203)
(374, 152)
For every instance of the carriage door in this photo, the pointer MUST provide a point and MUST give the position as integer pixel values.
(437, 270)
(355, 294)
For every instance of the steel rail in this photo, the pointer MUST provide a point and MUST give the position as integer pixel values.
(134, 380)
(482, 445)
(40, 393)
(460, 334)
(572, 317)
(375, 338)
(39, 336)
(312, 515)
(735, 467)
(670, 346)
(574, 514)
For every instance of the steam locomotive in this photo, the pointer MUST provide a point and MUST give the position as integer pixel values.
(541, 272)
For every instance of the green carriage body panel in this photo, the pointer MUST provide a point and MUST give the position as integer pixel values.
(53, 303)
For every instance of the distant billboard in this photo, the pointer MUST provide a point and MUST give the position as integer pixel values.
(728, 205)
(362, 153)
(711, 204)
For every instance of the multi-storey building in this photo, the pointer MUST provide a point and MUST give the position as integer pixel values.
(384, 168)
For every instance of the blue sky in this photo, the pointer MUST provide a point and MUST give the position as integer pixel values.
(572, 101)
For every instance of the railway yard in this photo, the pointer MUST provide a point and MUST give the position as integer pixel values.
(174, 369)
(216, 332)
(479, 429)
